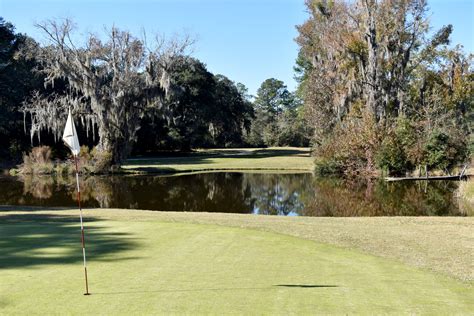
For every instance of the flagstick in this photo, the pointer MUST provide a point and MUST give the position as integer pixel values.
(82, 225)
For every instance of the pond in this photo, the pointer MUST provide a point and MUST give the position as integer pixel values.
(233, 192)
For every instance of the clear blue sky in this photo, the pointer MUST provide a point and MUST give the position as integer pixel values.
(246, 40)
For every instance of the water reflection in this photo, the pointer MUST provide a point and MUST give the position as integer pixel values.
(273, 194)
(336, 197)
(278, 194)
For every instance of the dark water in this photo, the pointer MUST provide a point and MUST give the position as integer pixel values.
(276, 194)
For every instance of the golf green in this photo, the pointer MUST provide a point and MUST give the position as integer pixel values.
(149, 267)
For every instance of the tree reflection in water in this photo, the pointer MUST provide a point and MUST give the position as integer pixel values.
(273, 194)
(336, 197)
(278, 194)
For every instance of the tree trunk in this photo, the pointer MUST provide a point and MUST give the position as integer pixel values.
(372, 85)
(371, 38)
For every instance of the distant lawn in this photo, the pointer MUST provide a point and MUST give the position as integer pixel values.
(150, 262)
(277, 158)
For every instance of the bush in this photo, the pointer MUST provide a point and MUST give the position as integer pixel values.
(41, 154)
(391, 157)
(101, 161)
(445, 150)
(63, 168)
(38, 161)
(393, 152)
(351, 148)
(94, 161)
(325, 167)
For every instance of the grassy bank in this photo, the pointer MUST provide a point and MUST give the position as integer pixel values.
(281, 158)
(466, 195)
(150, 262)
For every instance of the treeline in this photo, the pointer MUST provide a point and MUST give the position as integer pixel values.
(211, 111)
(131, 99)
(381, 91)
(378, 91)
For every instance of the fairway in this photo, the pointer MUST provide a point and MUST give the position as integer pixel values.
(149, 266)
(273, 158)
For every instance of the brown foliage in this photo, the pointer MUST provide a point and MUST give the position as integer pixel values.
(38, 161)
(353, 145)
(367, 63)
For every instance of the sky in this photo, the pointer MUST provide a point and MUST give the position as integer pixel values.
(246, 40)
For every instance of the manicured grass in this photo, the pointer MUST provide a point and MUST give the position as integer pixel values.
(281, 158)
(149, 262)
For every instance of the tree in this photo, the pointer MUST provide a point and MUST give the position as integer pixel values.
(112, 83)
(293, 129)
(16, 82)
(272, 99)
(362, 66)
(232, 114)
(208, 110)
(191, 109)
(273, 96)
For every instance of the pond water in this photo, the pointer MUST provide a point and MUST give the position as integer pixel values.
(232, 192)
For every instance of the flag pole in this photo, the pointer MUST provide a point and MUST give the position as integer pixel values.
(82, 225)
(71, 140)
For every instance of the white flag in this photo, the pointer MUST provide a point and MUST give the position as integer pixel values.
(70, 136)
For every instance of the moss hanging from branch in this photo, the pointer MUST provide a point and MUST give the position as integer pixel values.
(111, 83)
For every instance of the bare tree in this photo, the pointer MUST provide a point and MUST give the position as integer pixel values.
(111, 83)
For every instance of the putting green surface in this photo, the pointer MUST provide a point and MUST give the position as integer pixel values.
(150, 267)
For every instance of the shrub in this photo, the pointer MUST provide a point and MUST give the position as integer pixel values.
(94, 161)
(41, 154)
(445, 149)
(63, 168)
(351, 147)
(325, 167)
(101, 161)
(393, 152)
(392, 157)
(38, 161)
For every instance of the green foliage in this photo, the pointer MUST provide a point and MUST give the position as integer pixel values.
(63, 168)
(278, 120)
(16, 82)
(273, 96)
(392, 155)
(293, 129)
(405, 147)
(208, 111)
(192, 107)
(328, 167)
(419, 92)
(232, 115)
(444, 151)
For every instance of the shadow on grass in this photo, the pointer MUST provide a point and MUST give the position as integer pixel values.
(201, 158)
(305, 286)
(220, 289)
(32, 239)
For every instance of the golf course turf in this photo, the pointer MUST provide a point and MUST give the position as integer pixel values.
(273, 158)
(150, 262)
